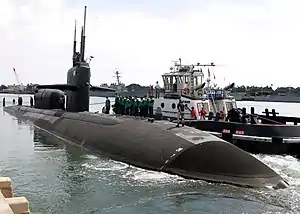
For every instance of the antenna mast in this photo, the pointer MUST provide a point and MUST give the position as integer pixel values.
(74, 45)
(118, 77)
(82, 48)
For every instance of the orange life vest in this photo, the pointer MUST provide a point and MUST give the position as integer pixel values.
(202, 112)
(193, 113)
(222, 115)
(186, 91)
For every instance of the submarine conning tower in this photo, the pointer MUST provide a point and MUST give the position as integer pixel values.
(79, 75)
(78, 83)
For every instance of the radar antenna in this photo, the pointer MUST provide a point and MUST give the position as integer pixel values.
(118, 77)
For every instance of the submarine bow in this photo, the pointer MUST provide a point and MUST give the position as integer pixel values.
(157, 146)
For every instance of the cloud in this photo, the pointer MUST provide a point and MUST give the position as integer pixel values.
(253, 42)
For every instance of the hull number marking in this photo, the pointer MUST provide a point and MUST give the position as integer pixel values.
(239, 132)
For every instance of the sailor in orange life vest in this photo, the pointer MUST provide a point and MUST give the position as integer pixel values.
(222, 115)
(193, 113)
(186, 91)
(180, 113)
(202, 114)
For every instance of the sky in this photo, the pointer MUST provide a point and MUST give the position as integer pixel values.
(253, 42)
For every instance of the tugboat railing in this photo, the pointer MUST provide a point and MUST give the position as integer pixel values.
(265, 118)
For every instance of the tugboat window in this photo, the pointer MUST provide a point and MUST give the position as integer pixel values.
(205, 106)
(229, 106)
(186, 80)
(162, 105)
(173, 105)
(234, 105)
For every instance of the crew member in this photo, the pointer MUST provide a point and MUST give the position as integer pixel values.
(127, 106)
(137, 103)
(142, 107)
(61, 103)
(146, 107)
(150, 107)
(119, 106)
(180, 113)
(31, 101)
(193, 113)
(122, 106)
(132, 106)
(157, 90)
(116, 105)
(222, 115)
(20, 101)
(107, 105)
(202, 114)
(14, 101)
(151, 91)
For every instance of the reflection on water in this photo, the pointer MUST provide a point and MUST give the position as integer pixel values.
(59, 178)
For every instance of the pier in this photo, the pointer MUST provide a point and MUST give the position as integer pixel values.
(8, 203)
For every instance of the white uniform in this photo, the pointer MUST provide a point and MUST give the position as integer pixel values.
(157, 90)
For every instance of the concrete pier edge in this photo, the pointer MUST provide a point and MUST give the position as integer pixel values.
(8, 203)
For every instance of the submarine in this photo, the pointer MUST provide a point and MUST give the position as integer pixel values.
(156, 145)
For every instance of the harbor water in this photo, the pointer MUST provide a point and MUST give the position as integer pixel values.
(58, 178)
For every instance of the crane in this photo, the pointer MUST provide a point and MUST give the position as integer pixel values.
(17, 78)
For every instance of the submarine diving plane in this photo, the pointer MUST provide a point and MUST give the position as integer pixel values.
(156, 145)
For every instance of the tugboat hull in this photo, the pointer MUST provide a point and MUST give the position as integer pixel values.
(255, 138)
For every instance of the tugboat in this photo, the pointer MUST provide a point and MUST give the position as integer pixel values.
(265, 133)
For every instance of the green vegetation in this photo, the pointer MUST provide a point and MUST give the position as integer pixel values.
(266, 90)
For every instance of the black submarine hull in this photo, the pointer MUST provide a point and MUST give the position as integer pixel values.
(159, 146)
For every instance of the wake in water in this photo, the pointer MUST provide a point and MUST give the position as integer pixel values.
(289, 168)
(231, 198)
